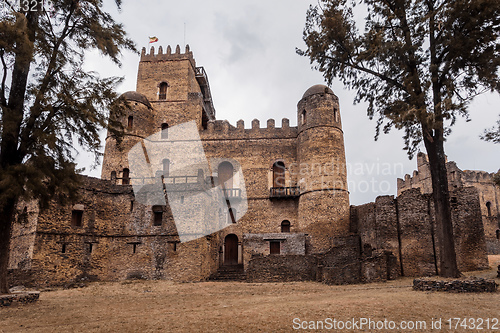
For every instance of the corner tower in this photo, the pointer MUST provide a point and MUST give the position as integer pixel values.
(324, 199)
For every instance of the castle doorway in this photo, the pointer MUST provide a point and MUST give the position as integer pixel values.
(231, 250)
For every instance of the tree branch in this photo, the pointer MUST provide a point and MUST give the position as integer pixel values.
(36, 108)
(3, 100)
(372, 72)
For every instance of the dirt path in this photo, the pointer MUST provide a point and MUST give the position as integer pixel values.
(162, 306)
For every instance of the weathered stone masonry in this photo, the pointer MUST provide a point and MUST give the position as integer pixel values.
(286, 214)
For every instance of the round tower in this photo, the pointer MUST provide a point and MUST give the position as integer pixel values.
(138, 123)
(324, 199)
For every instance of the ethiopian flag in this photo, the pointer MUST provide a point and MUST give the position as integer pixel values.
(153, 39)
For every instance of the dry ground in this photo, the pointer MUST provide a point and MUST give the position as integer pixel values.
(162, 306)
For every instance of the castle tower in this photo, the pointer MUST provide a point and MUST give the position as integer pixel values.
(177, 89)
(324, 199)
(171, 90)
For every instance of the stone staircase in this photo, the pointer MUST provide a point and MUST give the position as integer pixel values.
(229, 273)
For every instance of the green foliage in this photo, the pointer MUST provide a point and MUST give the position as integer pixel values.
(418, 63)
(48, 102)
(492, 134)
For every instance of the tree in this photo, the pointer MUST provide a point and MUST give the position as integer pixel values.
(492, 134)
(418, 64)
(48, 102)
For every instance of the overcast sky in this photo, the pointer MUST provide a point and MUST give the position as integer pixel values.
(248, 51)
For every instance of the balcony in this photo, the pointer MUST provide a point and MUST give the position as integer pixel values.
(232, 193)
(284, 192)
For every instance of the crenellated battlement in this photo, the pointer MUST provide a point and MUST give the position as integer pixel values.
(220, 129)
(168, 55)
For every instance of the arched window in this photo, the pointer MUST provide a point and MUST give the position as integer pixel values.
(231, 218)
(225, 172)
(279, 174)
(113, 175)
(130, 123)
(488, 207)
(285, 226)
(303, 117)
(166, 167)
(163, 91)
(164, 131)
(126, 177)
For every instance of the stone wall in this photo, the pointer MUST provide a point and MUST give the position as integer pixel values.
(117, 240)
(281, 268)
(405, 226)
(488, 193)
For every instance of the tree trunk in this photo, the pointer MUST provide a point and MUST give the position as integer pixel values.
(441, 196)
(6, 219)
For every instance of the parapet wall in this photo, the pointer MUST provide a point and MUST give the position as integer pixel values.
(168, 55)
(220, 129)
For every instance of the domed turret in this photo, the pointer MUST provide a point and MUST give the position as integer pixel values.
(138, 122)
(324, 199)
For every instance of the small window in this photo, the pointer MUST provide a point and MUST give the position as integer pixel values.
(113, 175)
(131, 205)
(162, 95)
(91, 245)
(303, 117)
(22, 218)
(126, 177)
(336, 115)
(231, 218)
(130, 123)
(166, 167)
(498, 234)
(182, 199)
(274, 247)
(164, 131)
(77, 218)
(488, 207)
(285, 226)
(157, 215)
(134, 247)
(63, 248)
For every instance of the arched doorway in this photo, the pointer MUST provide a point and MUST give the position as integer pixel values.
(279, 174)
(225, 172)
(231, 250)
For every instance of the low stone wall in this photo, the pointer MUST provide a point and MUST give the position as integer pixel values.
(24, 297)
(474, 285)
(281, 268)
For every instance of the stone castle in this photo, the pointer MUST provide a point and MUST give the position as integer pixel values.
(186, 197)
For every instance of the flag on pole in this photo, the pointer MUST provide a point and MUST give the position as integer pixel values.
(153, 39)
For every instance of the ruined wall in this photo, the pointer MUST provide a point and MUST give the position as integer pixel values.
(489, 193)
(405, 226)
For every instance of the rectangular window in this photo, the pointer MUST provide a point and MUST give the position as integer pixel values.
(274, 247)
(157, 215)
(77, 218)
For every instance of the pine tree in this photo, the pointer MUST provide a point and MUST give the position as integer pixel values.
(48, 101)
(418, 64)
